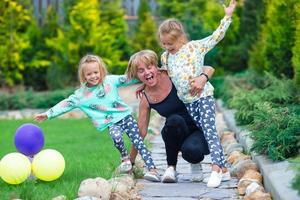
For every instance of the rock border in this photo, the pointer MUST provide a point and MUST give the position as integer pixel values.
(277, 176)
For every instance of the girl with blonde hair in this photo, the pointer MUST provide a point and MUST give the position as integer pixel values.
(98, 98)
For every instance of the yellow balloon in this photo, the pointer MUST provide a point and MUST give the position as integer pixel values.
(15, 168)
(48, 165)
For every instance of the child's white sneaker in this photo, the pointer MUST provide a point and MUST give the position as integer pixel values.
(170, 175)
(226, 177)
(125, 166)
(152, 176)
(215, 179)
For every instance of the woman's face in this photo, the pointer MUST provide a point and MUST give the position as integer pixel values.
(147, 74)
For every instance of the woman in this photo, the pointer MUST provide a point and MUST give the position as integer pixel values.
(179, 132)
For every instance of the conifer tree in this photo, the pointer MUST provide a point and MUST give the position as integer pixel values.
(112, 14)
(144, 36)
(14, 18)
(273, 50)
(37, 55)
(296, 48)
(87, 30)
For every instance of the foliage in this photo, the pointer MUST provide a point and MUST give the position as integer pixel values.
(112, 14)
(144, 36)
(276, 131)
(296, 48)
(251, 15)
(246, 81)
(270, 108)
(37, 55)
(275, 44)
(87, 153)
(97, 30)
(14, 18)
(189, 15)
(74, 40)
(273, 90)
(30, 99)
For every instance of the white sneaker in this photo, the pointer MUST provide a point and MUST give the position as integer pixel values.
(214, 179)
(170, 175)
(226, 177)
(197, 173)
(125, 166)
(152, 176)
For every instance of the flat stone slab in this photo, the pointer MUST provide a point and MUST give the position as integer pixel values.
(185, 188)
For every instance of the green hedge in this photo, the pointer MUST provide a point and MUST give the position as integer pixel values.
(31, 99)
(269, 107)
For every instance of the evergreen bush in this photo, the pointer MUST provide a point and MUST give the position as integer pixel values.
(275, 131)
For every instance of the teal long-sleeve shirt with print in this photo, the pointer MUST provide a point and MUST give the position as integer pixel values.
(101, 103)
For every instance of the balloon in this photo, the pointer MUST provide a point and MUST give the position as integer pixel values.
(29, 139)
(15, 168)
(48, 165)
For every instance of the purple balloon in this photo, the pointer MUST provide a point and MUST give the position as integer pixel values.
(29, 139)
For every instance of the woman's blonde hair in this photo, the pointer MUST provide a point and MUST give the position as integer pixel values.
(173, 29)
(91, 59)
(148, 57)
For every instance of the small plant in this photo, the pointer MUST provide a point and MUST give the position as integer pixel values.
(276, 131)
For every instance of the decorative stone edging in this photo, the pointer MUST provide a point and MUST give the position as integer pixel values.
(277, 176)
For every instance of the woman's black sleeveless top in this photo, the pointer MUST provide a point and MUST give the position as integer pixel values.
(171, 105)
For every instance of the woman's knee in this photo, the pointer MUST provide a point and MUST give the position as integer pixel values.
(194, 148)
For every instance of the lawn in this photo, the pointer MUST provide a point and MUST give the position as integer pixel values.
(87, 152)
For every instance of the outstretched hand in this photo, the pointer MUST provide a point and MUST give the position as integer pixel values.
(229, 10)
(40, 117)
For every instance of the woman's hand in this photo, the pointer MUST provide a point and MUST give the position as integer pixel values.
(139, 91)
(40, 117)
(229, 10)
(197, 85)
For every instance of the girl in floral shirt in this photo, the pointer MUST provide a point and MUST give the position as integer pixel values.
(98, 98)
(184, 61)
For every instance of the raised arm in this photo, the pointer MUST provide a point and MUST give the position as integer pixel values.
(229, 10)
(209, 42)
(143, 123)
(62, 107)
(197, 84)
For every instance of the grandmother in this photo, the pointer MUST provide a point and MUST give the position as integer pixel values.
(179, 132)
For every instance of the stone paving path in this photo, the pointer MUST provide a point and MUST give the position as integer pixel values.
(185, 189)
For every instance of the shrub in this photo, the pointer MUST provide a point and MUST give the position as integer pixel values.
(31, 99)
(245, 95)
(276, 130)
(244, 81)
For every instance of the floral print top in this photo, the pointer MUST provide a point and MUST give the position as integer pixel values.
(188, 62)
(102, 103)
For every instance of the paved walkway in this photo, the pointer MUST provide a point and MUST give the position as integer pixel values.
(185, 189)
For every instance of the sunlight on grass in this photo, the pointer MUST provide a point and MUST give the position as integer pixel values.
(88, 153)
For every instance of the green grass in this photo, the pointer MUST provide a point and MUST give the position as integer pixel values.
(87, 152)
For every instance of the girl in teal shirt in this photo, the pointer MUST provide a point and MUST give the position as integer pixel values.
(98, 98)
